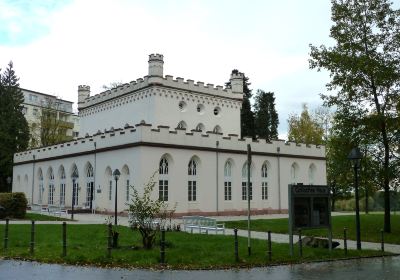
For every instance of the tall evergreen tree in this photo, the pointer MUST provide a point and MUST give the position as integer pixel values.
(14, 131)
(246, 113)
(266, 118)
(364, 67)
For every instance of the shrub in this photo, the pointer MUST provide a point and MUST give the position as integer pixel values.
(14, 205)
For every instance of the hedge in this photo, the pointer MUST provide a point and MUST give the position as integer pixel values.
(14, 205)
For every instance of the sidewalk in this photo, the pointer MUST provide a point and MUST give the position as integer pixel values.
(275, 237)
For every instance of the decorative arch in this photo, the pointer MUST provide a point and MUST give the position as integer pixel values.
(125, 178)
(312, 169)
(294, 173)
(200, 127)
(181, 125)
(244, 181)
(217, 129)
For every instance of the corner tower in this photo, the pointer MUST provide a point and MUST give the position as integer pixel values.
(83, 93)
(156, 65)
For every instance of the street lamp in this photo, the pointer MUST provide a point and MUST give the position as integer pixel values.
(9, 183)
(74, 177)
(355, 156)
(116, 175)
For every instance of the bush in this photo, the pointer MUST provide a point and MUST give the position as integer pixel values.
(14, 205)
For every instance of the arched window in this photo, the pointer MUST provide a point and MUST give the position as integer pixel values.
(192, 180)
(50, 198)
(75, 186)
(125, 179)
(228, 181)
(217, 129)
(62, 185)
(41, 186)
(200, 127)
(294, 170)
(311, 174)
(163, 180)
(182, 125)
(108, 179)
(264, 181)
(89, 186)
(244, 182)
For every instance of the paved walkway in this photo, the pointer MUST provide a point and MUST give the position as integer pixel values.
(276, 237)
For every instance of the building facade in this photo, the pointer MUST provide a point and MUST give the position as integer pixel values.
(183, 134)
(34, 105)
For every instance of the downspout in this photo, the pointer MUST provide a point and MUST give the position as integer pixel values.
(94, 180)
(217, 177)
(33, 178)
(278, 149)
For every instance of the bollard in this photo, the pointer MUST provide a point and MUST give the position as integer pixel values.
(236, 245)
(64, 237)
(269, 246)
(382, 242)
(32, 244)
(109, 246)
(345, 241)
(6, 235)
(300, 244)
(162, 247)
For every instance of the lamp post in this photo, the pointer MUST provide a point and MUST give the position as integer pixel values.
(116, 175)
(355, 156)
(9, 183)
(74, 177)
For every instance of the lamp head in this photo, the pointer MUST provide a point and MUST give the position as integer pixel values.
(355, 156)
(116, 174)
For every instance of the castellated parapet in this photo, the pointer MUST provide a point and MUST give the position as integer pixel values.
(155, 77)
(146, 135)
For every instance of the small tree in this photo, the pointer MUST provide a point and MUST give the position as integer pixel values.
(146, 214)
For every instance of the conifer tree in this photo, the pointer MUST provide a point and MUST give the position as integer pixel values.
(14, 132)
(266, 118)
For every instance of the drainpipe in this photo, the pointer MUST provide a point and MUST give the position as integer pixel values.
(278, 149)
(94, 179)
(33, 178)
(216, 177)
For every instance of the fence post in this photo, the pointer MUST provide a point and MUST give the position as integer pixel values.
(300, 244)
(32, 244)
(269, 246)
(64, 237)
(162, 247)
(382, 242)
(236, 245)
(109, 246)
(345, 241)
(6, 235)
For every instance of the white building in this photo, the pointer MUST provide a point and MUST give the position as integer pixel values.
(186, 131)
(35, 102)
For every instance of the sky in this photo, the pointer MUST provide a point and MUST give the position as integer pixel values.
(57, 45)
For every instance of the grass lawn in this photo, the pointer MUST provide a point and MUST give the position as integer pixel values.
(41, 217)
(371, 225)
(87, 244)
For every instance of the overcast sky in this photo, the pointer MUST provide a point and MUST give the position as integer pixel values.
(58, 45)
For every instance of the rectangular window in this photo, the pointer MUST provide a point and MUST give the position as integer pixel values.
(51, 194)
(244, 191)
(192, 192)
(163, 190)
(127, 190)
(75, 194)
(264, 190)
(110, 191)
(62, 194)
(228, 190)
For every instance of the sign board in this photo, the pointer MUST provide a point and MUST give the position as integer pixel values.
(309, 207)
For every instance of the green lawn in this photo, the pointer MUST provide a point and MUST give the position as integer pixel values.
(87, 245)
(371, 225)
(41, 217)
